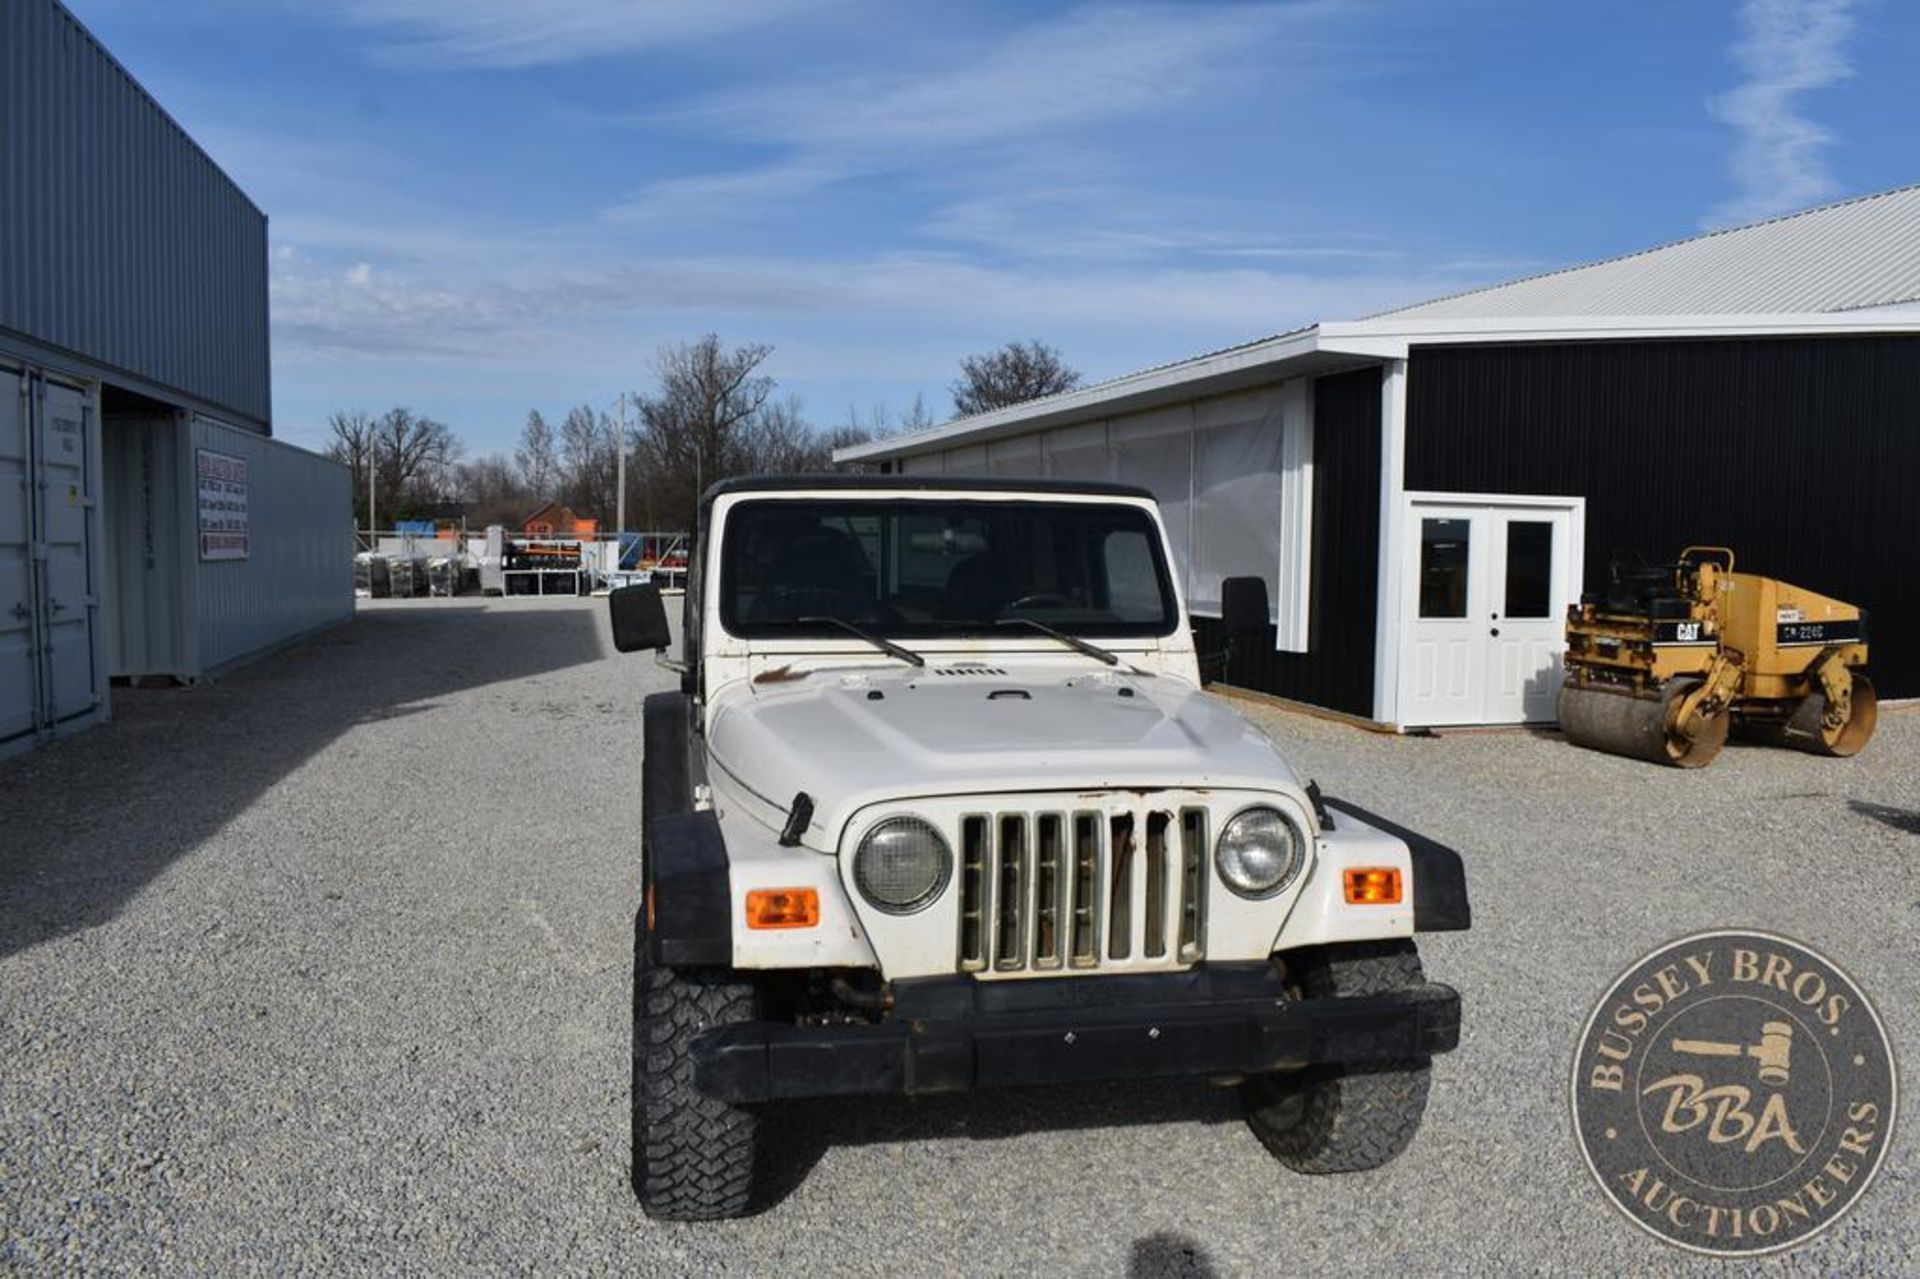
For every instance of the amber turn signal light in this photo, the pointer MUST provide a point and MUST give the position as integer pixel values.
(783, 908)
(1373, 886)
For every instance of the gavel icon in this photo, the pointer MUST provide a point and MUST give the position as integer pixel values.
(1773, 1052)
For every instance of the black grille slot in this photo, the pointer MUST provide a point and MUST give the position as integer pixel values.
(1120, 888)
(1048, 886)
(1010, 887)
(973, 893)
(1083, 947)
(1156, 887)
(1193, 881)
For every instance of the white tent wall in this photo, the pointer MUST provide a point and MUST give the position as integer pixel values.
(296, 576)
(1233, 475)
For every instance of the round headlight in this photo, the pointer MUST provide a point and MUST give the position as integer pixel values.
(1258, 853)
(902, 865)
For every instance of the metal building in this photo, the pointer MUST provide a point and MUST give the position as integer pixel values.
(148, 524)
(1426, 490)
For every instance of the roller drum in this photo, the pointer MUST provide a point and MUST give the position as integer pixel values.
(1807, 730)
(1620, 723)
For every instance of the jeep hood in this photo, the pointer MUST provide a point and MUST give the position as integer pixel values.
(850, 738)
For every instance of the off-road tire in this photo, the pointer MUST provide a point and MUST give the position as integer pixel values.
(1335, 1118)
(693, 1156)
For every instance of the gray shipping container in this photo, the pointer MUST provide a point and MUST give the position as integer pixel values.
(125, 252)
(222, 544)
(53, 676)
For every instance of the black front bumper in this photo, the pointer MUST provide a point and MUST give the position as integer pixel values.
(949, 1034)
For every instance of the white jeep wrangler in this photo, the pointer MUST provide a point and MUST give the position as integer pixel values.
(940, 805)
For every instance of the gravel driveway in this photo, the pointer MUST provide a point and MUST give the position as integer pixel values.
(325, 966)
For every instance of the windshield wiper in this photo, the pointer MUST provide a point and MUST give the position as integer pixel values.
(1073, 642)
(886, 646)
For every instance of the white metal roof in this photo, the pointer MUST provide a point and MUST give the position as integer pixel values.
(1838, 257)
(1848, 267)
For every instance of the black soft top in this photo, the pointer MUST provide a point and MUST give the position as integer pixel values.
(921, 483)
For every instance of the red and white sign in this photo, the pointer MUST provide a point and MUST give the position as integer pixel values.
(223, 505)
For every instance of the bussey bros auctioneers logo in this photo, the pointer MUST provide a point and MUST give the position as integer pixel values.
(1734, 1093)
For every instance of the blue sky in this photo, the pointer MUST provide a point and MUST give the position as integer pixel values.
(484, 206)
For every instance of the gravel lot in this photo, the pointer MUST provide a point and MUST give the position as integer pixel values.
(326, 966)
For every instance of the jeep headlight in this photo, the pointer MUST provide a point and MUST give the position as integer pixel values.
(902, 865)
(1258, 853)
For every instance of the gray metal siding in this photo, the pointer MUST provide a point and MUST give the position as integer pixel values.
(121, 242)
(298, 574)
(1799, 453)
(1840, 257)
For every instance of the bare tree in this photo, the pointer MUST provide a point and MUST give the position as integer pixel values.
(492, 491)
(352, 443)
(414, 458)
(589, 460)
(917, 417)
(779, 442)
(1014, 374)
(538, 457)
(693, 427)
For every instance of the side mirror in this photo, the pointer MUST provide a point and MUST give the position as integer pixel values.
(1243, 606)
(639, 618)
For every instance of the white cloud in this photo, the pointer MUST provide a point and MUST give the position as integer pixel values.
(466, 305)
(525, 33)
(1114, 222)
(1788, 47)
(1092, 64)
(1019, 104)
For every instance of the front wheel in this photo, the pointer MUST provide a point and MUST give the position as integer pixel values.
(693, 1156)
(1343, 1118)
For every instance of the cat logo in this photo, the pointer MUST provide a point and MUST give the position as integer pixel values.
(1734, 1093)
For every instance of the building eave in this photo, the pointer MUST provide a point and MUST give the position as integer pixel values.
(1335, 345)
(1217, 372)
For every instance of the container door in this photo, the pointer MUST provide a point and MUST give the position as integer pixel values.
(19, 616)
(1528, 553)
(1446, 660)
(71, 598)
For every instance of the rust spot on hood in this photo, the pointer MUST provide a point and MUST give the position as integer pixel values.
(780, 675)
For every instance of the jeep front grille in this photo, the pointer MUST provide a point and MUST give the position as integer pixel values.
(1055, 891)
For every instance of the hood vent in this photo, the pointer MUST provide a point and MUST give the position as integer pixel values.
(968, 670)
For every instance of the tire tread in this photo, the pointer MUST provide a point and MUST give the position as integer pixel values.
(1333, 1118)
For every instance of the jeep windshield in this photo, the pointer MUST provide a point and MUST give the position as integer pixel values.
(907, 568)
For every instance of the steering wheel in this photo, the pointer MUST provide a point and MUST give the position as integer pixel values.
(1042, 599)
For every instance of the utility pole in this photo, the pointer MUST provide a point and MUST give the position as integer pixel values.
(373, 538)
(620, 501)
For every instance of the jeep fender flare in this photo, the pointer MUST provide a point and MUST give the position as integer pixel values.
(686, 896)
(1439, 876)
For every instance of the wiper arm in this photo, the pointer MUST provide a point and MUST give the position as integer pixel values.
(886, 646)
(1073, 642)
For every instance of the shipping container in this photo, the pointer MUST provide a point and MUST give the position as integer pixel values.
(53, 665)
(127, 253)
(224, 544)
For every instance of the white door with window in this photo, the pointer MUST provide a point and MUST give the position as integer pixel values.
(1487, 586)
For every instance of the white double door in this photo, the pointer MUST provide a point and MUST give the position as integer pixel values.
(1487, 586)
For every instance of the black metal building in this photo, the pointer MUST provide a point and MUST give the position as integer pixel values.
(1443, 480)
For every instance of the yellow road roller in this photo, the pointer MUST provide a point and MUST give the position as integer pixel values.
(1669, 659)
